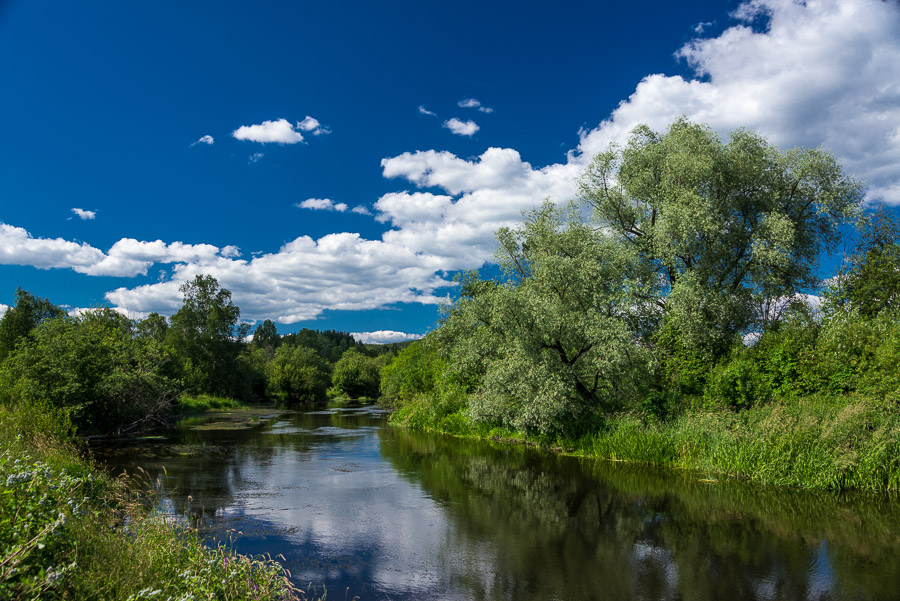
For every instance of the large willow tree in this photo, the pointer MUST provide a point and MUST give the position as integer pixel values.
(689, 236)
(728, 228)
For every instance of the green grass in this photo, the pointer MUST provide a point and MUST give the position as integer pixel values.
(834, 443)
(817, 442)
(67, 531)
(204, 402)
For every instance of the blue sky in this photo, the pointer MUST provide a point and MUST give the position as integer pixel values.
(362, 152)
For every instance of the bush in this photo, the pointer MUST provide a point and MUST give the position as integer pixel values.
(356, 375)
(297, 374)
(93, 367)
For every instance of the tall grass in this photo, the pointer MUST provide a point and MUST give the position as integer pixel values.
(823, 442)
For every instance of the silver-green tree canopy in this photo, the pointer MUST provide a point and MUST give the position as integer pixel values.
(726, 227)
(689, 236)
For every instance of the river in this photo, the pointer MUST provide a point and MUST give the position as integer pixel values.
(384, 513)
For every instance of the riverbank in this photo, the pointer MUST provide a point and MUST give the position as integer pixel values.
(68, 531)
(815, 442)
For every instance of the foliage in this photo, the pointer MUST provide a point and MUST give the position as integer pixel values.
(266, 336)
(870, 281)
(94, 367)
(298, 374)
(19, 320)
(330, 344)
(206, 334)
(414, 370)
(356, 375)
(556, 340)
(724, 227)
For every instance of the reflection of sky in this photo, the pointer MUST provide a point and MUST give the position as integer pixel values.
(341, 515)
(327, 499)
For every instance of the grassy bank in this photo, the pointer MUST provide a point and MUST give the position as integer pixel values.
(187, 404)
(68, 531)
(817, 442)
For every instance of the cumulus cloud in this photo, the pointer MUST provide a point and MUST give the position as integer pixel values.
(461, 128)
(313, 126)
(126, 258)
(3, 309)
(83, 214)
(383, 337)
(425, 111)
(19, 247)
(361, 210)
(280, 131)
(207, 139)
(820, 73)
(322, 204)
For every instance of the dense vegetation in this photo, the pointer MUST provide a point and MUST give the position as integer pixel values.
(666, 319)
(113, 374)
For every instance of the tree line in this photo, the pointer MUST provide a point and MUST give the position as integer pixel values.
(110, 373)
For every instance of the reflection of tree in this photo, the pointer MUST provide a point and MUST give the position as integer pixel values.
(574, 529)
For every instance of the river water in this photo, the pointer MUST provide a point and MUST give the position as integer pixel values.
(383, 513)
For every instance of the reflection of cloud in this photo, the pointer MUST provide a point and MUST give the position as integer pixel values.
(348, 505)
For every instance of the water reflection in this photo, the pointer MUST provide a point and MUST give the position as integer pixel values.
(392, 514)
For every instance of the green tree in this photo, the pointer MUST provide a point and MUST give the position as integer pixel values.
(266, 336)
(206, 333)
(415, 370)
(153, 326)
(557, 339)
(28, 312)
(93, 366)
(356, 375)
(298, 374)
(870, 282)
(726, 227)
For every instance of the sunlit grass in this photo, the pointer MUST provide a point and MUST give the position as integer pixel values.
(204, 402)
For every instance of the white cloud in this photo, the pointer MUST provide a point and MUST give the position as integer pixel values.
(255, 158)
(425, 111)
(461, 128)
(207, 139)
(313, 126)
(83, 214)
(18, 247)
(3, 309)
(280, 131)
(361, 210)
(822, 73)
(471, 103)
(322, 204)
(308, 124)
(383, 337)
